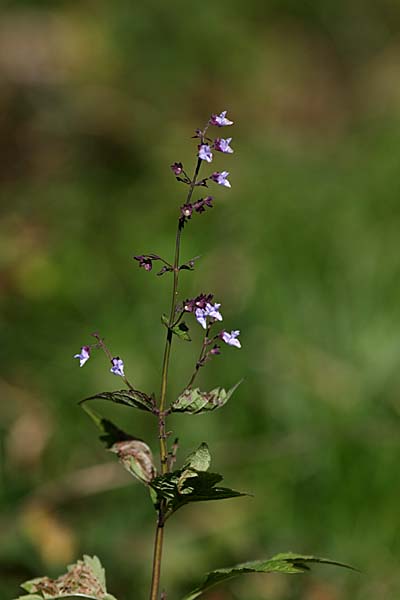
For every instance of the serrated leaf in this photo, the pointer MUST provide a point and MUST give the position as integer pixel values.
(200, 459)
(197, 461)
(191, 483)
(136, 457)
(83, 579)
(181, 329)
(194, 401)
(132, 398)
(281, 563)
(188, 485)
(93, 562)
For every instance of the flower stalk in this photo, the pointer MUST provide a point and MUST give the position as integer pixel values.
(206, 313)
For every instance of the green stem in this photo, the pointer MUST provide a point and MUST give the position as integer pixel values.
(158, 544)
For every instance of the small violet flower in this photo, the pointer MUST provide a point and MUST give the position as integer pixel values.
(222, 145)
(221, 178)
(201, 317)
(177, 168)
(117, 366)
(210, 310)
(145, 262)
(220, 120)
(83, 356)
(231, 338)
(205, 152)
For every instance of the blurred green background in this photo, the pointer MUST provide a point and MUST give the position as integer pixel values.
(97, 99)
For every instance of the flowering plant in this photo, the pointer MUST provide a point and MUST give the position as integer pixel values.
(169, 487)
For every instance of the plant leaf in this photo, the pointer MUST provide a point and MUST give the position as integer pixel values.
(136, 458)
(189, 485)
(193, 401)
(84, 579)
(281, 563)
(133, 453)
(181, 329)
(132, 398)
(200, 459)
(197, 461)
(93, 562)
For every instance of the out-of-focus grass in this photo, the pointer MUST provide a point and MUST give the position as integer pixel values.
(302, 253)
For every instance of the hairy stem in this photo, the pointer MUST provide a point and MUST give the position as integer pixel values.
(155, 582)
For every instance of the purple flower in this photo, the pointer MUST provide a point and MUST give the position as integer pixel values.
(83, 356)
(145, 262)
(177, 168)
(210, 310)
(231, 338)
(222, 145)
(205, 152)
(220, 120)
(201, 317)
(117, 366)
(221, 178)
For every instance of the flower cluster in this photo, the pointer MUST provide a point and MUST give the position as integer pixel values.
(208, 313)
(199, 302)
(219, 144)
(205, 153)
